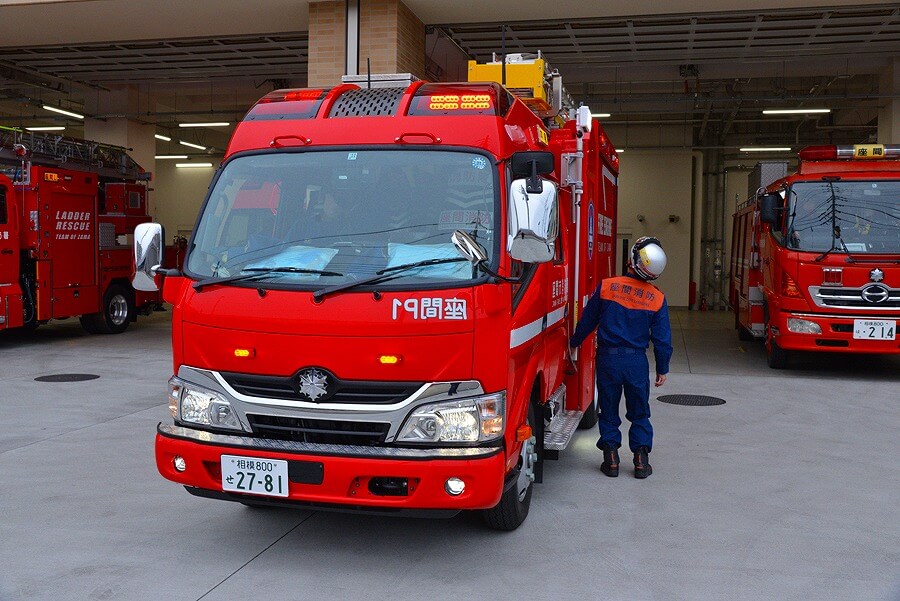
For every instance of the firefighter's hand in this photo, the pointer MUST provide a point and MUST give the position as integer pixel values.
(660, 380)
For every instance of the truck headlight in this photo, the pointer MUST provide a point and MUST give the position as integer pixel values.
(803, 326)
(476, 419)
(200, 406)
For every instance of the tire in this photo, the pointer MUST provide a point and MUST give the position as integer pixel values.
(513, 507)
(591, 414)
(118, 311)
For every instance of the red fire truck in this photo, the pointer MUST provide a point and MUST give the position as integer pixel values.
(816, 255)
(68, 208)
(375, 307)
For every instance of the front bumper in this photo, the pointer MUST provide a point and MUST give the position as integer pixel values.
(837, 334)
(348, 470)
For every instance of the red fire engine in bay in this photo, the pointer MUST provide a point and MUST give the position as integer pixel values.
(376, 303)
(68, 208)
(816, 255)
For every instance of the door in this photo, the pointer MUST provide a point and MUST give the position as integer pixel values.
(9, 237)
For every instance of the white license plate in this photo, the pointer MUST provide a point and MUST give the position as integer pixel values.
(874, 329)
(255, 475)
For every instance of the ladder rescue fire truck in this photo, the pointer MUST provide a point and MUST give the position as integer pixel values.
(376, 303)
(68, 208)
(816, 255)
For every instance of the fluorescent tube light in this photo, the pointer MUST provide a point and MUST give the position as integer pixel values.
(601, 115)
(620, 150)
(46, 128)
(207, 124)
(794, 111)
(163, 138)
(47, 107)
(766, 149)
(171, 156)
(192, 165)
(197, 146)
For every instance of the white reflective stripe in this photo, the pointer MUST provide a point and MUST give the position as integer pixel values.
(609, 175)
(521, 335)
(556, 315)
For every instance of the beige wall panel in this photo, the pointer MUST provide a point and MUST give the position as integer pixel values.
(178, 194)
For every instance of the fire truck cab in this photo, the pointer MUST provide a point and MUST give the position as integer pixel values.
(375, 308)
(816, 255)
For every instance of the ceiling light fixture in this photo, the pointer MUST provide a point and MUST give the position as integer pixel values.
(162, 137)
(601, 115)
(171, 156)
(766, 149)
(794, 111)
(192, 165)
(620, 150)
(47, 107)
(208, 124)
(46, 128)
(197, 146)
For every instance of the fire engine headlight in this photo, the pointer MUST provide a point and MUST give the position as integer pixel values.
(803, 326)
(476, 419)
(199, 406)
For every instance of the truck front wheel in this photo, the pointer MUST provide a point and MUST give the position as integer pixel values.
(117, 313)
(513, 507)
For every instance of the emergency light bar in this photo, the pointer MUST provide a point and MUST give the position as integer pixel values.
(857, 151)
(287, 104)
(460, 99)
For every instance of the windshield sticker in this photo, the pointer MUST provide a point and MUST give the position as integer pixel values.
(351, 156)
(479, 163)
(431, 308)
(455, 220)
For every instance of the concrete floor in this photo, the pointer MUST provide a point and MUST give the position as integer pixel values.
(791, 490)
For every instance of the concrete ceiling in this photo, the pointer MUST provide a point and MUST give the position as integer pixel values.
(709, 71)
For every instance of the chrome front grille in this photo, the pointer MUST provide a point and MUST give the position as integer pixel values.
(853, 298)
(321, 431)
(344, 391)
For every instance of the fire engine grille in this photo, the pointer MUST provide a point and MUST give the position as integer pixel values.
(373, 102)
(340, 391)
(850, 298)
(320, 431)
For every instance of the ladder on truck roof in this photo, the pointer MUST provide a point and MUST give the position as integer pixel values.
(71, 153)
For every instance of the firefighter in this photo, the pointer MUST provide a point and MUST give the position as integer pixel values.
(628, 312)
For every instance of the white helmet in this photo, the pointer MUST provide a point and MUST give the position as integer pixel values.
(648, 259)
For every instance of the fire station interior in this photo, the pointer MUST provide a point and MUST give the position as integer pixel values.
(786, 489)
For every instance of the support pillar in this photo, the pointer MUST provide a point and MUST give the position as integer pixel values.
(391, 39)
(889, 113)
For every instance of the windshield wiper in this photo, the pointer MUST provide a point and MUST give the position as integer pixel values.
(382, 275)
(258, 272)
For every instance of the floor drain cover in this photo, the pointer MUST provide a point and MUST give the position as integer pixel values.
(67, 378)
(692, 400)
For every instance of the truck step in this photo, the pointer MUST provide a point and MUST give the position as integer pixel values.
(560, 432)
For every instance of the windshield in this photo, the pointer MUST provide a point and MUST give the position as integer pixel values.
(850, 216)
(324, 218)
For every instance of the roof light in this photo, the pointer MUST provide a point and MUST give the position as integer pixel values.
(192, 165)
(287, 104)
(163, 138)
(857, 151)
(197, 146)
(206, 124)
(460, 99)
(171, 156)
(46, 128)
(54, 109)
(766, 149)
(794, 111)
(292, 96)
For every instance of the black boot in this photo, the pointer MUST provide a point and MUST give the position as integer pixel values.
(642, 467)
(610, 465)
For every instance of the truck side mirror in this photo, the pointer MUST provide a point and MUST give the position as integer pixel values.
(769, 205)
(148, 256)
(530, 164)
(533, 221)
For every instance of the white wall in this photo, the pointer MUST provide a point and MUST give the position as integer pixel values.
(657, 184)
(178, 194)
